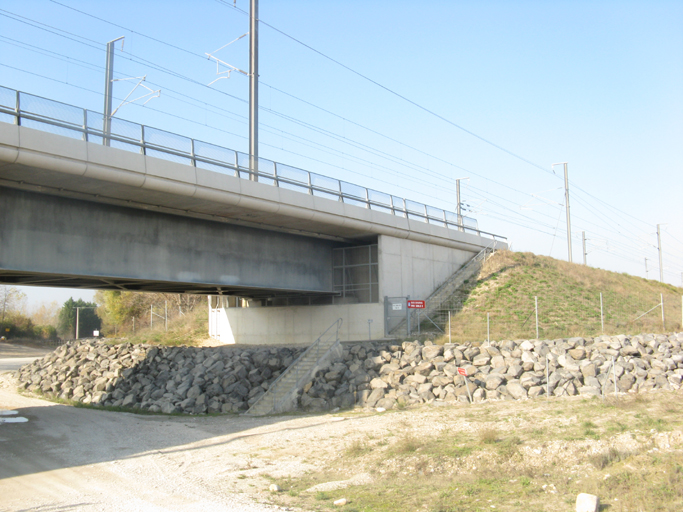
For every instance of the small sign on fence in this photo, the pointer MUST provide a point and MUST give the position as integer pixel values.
(416, 304)
(397, 307)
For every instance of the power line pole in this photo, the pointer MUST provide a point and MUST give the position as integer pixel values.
(78, 317)
(109, 90)
(253, 90)
(583, 238)
(459, 206)
(569, 224)
(659, 246)
(566, 202)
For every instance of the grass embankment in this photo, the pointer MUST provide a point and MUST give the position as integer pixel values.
(568, 301)
(192, 328)
(522, 456)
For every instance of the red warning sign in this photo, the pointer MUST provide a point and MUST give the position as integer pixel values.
(462, 371)
(416, 304)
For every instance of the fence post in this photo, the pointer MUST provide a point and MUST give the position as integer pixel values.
(166, 315)
(488, 329)
(449, 321)
(85, 125)
(536, 300)
(602, 316)
(661, 303)
(17, 108)
(151, 316)
(547, 376)
(467, 386)
(408, 317)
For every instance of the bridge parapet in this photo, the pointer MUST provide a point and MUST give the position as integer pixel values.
(54, 117)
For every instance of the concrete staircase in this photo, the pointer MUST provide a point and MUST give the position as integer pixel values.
(436, 305)
(283, 392)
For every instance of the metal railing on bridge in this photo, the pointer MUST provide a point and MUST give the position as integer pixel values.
(52, 116)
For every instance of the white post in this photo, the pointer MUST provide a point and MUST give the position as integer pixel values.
(253, 90)
(547, 376)
(467, 386)
(488, 328)
(78, 310)
(461, 226)
(449, 321)
(109, 91)
(659, 248)
(569, 224)
(602, 316)
(536, 300)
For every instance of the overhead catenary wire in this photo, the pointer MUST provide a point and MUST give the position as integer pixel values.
(309, 103)
(611, 216)
(395, 93)
(282, 115)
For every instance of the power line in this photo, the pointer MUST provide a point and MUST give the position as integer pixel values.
(291, 119)
(391, 91)
(27, 21)
(355, 144)
(398, 95)
(49, 53)
(128, 29)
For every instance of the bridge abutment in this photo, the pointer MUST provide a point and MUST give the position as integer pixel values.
(404, 268)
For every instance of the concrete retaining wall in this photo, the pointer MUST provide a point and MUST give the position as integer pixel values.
(406, 268)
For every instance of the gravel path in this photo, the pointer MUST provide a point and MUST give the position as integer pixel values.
(88, 460)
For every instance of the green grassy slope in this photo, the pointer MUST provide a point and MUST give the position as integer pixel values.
(568, 301)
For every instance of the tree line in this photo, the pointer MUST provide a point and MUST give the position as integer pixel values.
(111, 313)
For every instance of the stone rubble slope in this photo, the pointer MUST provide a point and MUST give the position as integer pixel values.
(390, 375)
(230, 379)
(157, 378)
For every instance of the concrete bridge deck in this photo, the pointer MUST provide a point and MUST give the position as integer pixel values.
(140, 174)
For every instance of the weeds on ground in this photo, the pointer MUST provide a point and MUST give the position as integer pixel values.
(487, 466)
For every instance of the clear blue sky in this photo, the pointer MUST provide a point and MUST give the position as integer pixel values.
(596, 83)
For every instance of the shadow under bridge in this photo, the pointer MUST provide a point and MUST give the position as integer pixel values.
(63, 242)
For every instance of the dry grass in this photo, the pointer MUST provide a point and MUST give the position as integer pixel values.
(526, 456)
(189, 329)
(489, 435)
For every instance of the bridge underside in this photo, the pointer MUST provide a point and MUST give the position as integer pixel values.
(47, 240)
(141, 285)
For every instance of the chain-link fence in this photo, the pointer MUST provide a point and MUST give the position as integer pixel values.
(548, 317)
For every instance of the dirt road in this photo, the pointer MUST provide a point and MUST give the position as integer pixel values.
(15, 355)
(86, 460)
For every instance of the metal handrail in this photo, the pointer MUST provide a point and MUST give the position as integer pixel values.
(430, 304)
(315, 346)
(88, 131)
